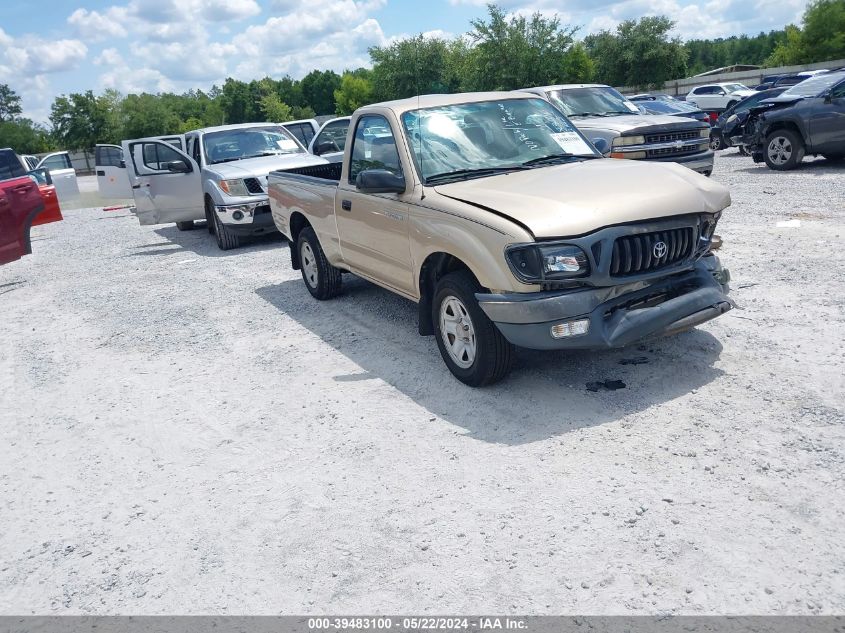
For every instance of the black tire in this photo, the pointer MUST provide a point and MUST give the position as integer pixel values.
(226, 240)
(185, 226)
(209, 215)
(493, 354)
(731, 104)
(743, 151)
(321, 278)
(783, 150)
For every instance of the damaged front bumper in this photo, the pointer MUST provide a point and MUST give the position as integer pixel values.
(616, 315)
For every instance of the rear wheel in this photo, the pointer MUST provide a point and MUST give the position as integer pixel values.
(185, 226)
(471, 346)
(784, 150)
(321, 278)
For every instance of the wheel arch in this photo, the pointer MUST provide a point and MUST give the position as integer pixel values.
(435, 266)
(297, 222)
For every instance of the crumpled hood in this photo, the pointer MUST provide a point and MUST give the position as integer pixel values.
(639, 122)
(261, 166)
(578, 198)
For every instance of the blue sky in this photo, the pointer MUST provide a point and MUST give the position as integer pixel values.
(50, 47)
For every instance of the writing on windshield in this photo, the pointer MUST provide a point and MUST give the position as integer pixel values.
(477, 138)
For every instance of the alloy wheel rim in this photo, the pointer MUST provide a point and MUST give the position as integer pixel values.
(715, 143)
(780, 150)
(309, 264)
(457, 332)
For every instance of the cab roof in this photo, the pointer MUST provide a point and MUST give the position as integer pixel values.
(432, 101)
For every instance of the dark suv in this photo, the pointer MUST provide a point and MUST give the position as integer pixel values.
(809, 118)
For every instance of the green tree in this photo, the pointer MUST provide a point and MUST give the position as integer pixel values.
(517, 52)
(822, 37)
(639, 54)
(24, 136)
(10, 104)
(409, 67)
(355, 91)
(148, 115)
(274, 109)
(318, 90)
(80, 120)
(577, 65)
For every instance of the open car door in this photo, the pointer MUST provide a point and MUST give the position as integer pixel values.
(20, 202)
(112, 180)
(166, 182)
(62, 172)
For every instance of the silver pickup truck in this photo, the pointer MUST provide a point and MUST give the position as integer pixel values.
(220, 176)
(504, 224)
(617, 127)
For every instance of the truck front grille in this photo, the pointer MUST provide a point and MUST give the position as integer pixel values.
(647, 252)
(252, 185)
(669, 137)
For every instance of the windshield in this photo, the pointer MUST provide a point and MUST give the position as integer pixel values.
(473, 138)
(595, 101)
(248, 142)
(667, 107)
(814, 86)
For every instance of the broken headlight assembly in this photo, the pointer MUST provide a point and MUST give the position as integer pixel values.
(538, 263)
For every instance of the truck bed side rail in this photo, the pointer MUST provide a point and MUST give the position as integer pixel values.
(329, 171)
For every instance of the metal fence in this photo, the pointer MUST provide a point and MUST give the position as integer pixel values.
(748, 77)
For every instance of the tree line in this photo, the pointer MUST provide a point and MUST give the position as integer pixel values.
(500, 52)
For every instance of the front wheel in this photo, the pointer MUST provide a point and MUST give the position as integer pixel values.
(716, 142)
(321, 278)
(226, 240)
(471, 346)
(784, 150)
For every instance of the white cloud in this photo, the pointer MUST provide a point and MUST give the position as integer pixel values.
(96, 26)
(224, 10)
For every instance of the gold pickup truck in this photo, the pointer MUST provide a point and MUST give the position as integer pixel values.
(507, 227)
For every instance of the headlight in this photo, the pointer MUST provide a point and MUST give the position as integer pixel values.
(704, 132)
(624, 141)
(537, 262)
(234, 187)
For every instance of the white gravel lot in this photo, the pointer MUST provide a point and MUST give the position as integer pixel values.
(187, 431)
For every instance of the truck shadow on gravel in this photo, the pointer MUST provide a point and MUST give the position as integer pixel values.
(200, 242)
(544, 396)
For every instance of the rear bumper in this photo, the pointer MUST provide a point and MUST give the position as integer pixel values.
(617, 315)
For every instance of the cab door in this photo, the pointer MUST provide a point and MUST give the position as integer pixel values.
(166, 182)
(827, 121)
(112, 180)
(374, 227)
(62, 172)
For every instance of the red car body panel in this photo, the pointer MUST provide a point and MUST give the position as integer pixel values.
(52, 211)
(20, 202)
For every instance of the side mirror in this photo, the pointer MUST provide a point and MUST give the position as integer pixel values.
(602, 145)
(178, 167)
(379, 181)
(828, 97)
(722, 93)
(122, 164)
(324, 147)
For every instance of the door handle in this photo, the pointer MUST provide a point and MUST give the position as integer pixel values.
(346, 205)
(100, 172)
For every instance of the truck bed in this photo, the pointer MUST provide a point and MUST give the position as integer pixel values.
(329, 171)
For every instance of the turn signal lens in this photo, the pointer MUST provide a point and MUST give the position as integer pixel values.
(234, 187)
(571, 328)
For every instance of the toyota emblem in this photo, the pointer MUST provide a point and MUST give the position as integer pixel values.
(659, 250)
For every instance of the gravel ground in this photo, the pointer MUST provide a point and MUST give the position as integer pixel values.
(187, 431)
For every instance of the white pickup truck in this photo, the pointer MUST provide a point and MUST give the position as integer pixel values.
(220, 176)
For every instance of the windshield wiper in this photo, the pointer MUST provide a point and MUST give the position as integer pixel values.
(584, 114)
(551, 158)
(464, 174)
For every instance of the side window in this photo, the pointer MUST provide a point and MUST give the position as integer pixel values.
(298, 131)
(373, 147)
(838, 92)
(60, 161)
(194, 144)
(334, 137)
(108, 156)
(307, 133)
(155, 156)
(10, 166)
